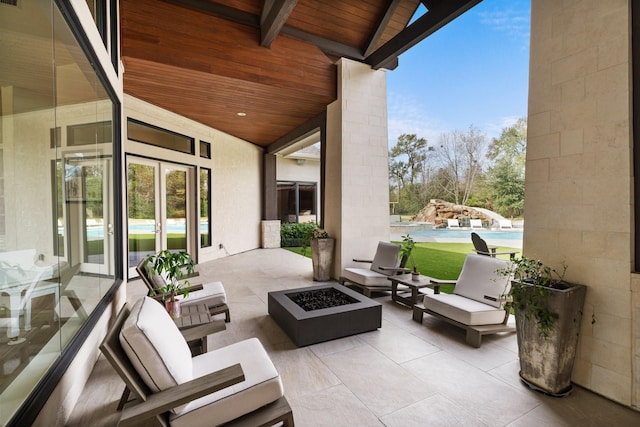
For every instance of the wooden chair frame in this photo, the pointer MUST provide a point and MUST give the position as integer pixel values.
(213, 310)
(157, 405)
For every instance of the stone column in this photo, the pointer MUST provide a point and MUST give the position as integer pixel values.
(356, 169)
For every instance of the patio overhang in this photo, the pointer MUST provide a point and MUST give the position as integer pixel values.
(262, 70)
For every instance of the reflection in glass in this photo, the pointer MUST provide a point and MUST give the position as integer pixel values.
(176, 191)
(46, 294)
(141, 199)
(205, 207)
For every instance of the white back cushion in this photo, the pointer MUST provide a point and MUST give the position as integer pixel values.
(155, 346)
(387, 255)
(479, 279)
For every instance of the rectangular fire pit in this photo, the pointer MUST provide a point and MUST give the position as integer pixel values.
(362, 314)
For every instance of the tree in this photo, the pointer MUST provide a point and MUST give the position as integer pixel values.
(407, 167)
(460, 156)
(506, 175)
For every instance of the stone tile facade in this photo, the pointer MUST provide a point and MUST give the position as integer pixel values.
(579, 162)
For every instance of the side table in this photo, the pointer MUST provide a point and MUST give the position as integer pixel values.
(408, 297)
(194, 315)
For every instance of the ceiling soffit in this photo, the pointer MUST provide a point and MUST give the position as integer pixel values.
(273, 60)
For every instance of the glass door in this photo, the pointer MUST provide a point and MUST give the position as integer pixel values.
(158, 199)
(89, 211)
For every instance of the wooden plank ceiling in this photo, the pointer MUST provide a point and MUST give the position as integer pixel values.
(273, 60)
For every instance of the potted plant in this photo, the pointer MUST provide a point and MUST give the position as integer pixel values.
(406, 252)
(548, 312)
(171, 266)
(321, 255)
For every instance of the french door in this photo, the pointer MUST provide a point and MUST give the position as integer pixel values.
(159, 205)
(88, 213)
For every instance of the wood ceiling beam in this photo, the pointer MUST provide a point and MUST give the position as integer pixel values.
(381, 26)
(220, 10)
(439, 15)
(274, 15)
(309, 127)
(329, 47)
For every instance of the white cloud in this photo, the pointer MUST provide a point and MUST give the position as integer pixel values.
(494, 129)
(512, 18)
(408, 115)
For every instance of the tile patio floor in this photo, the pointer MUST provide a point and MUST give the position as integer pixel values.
(402, 375)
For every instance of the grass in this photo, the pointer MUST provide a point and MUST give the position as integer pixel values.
(438, 260)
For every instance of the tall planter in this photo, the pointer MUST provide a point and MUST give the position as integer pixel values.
(322, 258)
(546, 363)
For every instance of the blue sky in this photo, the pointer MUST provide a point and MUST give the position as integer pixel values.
(474, 71)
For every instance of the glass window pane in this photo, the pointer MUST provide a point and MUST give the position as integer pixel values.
(141, 132)
(205, 207)
(53, 199)
(205, 150)
(141, 195)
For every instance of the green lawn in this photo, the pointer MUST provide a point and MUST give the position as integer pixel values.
(438, 260)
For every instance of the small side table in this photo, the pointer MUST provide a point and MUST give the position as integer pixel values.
(194, 315)
(408, 297)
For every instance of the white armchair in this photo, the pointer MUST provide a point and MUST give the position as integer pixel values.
(236, 382)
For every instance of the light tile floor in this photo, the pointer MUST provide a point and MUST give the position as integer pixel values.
(402, 375)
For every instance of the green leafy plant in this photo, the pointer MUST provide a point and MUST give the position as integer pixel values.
(295, 234)
(531, 283)
(406, 250)
(171, 266)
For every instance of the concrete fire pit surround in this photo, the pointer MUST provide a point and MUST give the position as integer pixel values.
(311, 327)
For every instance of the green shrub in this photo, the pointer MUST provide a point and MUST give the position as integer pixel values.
(296, 234)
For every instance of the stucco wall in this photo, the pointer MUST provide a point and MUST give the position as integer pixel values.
(236, 170)
(579, 161)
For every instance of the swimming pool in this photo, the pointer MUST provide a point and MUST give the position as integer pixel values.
(504, 238)
(466, 234)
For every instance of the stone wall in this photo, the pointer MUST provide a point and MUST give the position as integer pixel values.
(438, 212)
(579, 159)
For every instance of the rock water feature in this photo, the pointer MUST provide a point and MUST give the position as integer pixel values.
(325, 312)
(438, 212)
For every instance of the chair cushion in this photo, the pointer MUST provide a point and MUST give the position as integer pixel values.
(366, 277)
(155, 346)
(387, 255)
(464, 310)
(212, 294)
(262, 385)
(480, 281)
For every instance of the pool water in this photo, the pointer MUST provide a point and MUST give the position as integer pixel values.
(466, 234)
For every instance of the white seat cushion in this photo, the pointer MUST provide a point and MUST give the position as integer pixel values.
(212, 294)
(463, 309)
(155, 346)
(366, 277)
(262, 385)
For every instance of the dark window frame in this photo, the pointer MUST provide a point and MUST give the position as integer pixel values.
(191, 140)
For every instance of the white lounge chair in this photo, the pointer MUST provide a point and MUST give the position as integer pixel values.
(476, 224)
(505, 224)
(237, 384)
(386, 262)
(477, 302)
(453, 224)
